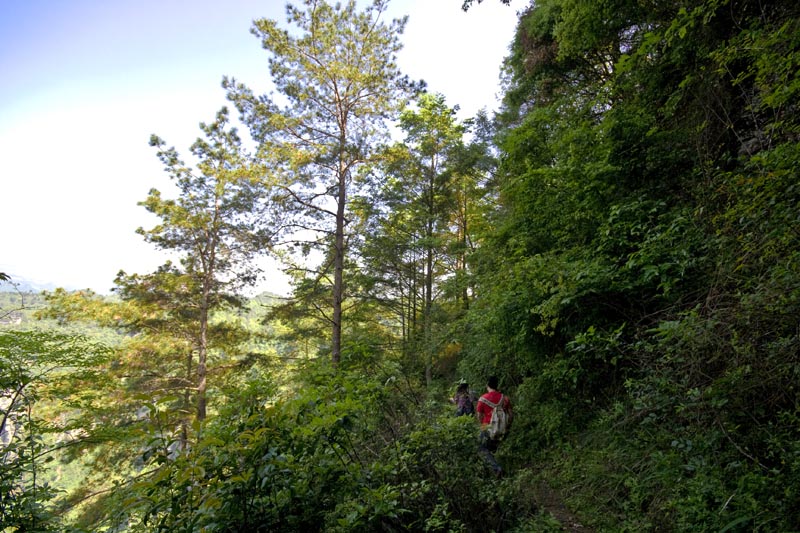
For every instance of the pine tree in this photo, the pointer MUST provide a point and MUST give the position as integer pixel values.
(337, 81)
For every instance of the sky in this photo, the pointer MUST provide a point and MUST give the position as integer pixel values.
(83, 85)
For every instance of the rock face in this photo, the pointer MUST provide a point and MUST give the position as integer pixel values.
(9, 425)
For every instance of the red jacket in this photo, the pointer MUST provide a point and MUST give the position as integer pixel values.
(485, 412)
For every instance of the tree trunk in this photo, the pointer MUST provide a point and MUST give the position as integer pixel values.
(202, 351)
(338, 270)
(202, 354)
(428, 319)
(187, 402)
(463, 255)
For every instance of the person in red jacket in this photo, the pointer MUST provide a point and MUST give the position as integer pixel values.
(483, 411)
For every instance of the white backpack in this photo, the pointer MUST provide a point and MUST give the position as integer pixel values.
(498, 425)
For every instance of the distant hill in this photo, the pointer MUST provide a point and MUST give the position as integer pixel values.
(22, 284)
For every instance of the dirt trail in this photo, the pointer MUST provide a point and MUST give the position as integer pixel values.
(549, 500)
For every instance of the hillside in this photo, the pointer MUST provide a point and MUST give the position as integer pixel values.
(618, 246)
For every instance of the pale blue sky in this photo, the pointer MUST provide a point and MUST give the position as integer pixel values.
(84, 83)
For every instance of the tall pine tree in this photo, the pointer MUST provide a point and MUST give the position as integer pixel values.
(337, 82)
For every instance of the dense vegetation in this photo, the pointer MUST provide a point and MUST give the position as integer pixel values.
(620, 244)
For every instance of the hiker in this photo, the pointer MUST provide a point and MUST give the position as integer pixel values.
(494, 414)
(463, 400)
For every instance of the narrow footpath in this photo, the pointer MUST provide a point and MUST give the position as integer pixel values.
(550, 501)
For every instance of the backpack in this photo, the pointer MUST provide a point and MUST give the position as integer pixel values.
(498, 425)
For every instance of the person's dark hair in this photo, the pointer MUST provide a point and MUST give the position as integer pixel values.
(462, 387)
(492, 382)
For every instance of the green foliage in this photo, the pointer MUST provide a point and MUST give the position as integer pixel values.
(341, 452)
(670, 461)
(467, 3)
(44, 395)
(638, 287)
(142, 408)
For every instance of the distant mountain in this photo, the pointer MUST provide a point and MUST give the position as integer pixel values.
(22, 284)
